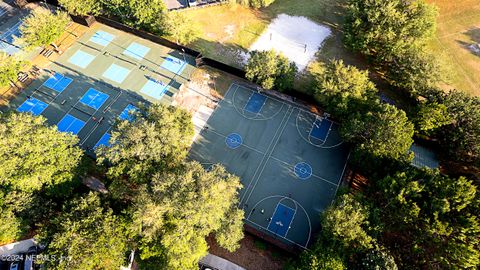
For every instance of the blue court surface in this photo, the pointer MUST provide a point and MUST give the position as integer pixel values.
(81, 59)
(94, 98)
(281, 220)
(102, 38)
(255, 103)
(303, 170)
(32, 105)
(57, 82)
(104, 140)
(136, 51)
(70, 124)
(320, 129)
(233, 140)
(173, 64)
(127, 113)
(155, 89)
(116, 73)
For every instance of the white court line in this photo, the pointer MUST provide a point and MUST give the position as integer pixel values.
(258, 114)
(247, 146)
(314, 175)
(296, 204)
(284, 123)
(256, 171)
(341, 176)
(309, 141)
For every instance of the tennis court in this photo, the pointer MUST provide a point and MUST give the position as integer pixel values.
(102, 78)
(7, 39)
(290, 161)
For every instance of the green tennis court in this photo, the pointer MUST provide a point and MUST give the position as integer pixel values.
(99, 80)
(289, 176)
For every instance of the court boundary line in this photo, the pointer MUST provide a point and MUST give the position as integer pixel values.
(291, 220)
(263, 161)
(253, 118)
(314, 175)
(297, 203)
(309, 141)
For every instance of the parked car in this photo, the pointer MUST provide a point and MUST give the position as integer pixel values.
(192, 3)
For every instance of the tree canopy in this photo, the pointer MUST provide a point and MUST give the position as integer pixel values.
(382, 132)
(181, 28)
(270, 70)
(339, 87)
(182, 208)
(87, 235)
(35, 155)
(81, 8)
(43, 27)
(437, 217)
(384, 29)
(156, 140)
(9, 68)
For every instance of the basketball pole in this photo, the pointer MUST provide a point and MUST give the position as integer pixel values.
(305, 51)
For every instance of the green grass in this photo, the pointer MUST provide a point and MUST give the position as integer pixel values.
(458, 26)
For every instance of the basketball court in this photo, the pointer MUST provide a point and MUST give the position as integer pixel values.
(290, 161)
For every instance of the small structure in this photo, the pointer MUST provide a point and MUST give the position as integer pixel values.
(424, 157)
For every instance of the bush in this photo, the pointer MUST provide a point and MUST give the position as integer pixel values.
(270, 70)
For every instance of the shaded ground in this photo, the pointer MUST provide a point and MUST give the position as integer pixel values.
(253, 254)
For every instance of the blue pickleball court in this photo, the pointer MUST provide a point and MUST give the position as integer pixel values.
(255, 103)
(127, 113)
(136, 51)
(81, 59)
(57, 82)
(116, 73)
(320, 129)
(281, 220)
(33, 106)
(154, 89)
(104, 140)
(173, 64)
(94, 98)
(71, 124)
(102, 38)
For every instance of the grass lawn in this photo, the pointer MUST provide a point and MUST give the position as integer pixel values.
(458, 27)
(229, 30)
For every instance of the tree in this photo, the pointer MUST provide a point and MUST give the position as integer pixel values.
(154, 141)
(10, 225)
(35, 155)
(345, 223)
(378, 258)
(269, 69)
(320, 258)
(256, 3)
(182, 208)
(9, 68)
(145, 14)
(42, 28)
(384, 29)
(339, 85)
(181, 28)
(81, 8)
(461, 137)
(415, 70)
(382, 132)
(87, 235)
(436, 217)
(430, 117)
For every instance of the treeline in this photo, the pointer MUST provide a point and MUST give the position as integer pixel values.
(406, 218)
(158, 203)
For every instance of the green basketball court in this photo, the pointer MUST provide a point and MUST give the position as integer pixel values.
(290, 161)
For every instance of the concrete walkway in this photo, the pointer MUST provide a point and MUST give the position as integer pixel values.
(219, 263)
